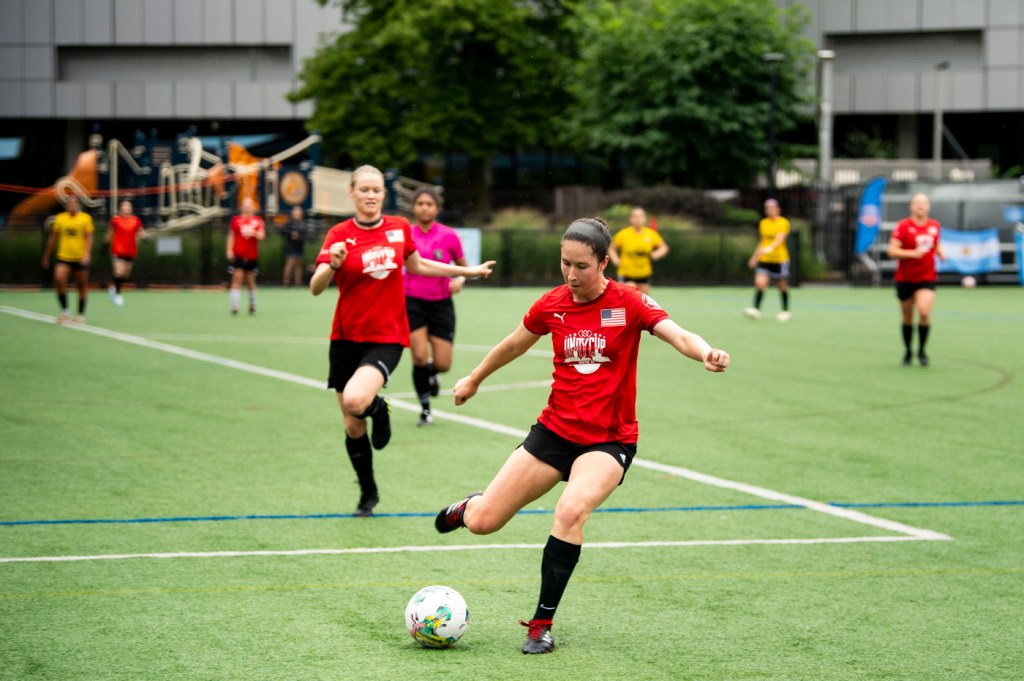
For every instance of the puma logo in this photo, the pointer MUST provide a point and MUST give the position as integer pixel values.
(561, 317)
(350, 241)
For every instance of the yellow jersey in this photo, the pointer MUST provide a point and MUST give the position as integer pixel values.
(71, 231)
(769, 229)
(635, 251)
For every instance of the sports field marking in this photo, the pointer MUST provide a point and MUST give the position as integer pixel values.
(762, 492)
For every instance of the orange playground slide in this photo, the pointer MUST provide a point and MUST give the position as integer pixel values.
(28, 211)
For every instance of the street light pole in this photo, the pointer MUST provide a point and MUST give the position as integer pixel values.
(772, 58)
(940, 100)
(827, 58)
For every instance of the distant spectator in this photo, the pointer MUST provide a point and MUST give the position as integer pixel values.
(294, 232)
(72, 235)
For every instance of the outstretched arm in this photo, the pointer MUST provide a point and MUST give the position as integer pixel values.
(514, 345)
(431, 268)
(692, 345)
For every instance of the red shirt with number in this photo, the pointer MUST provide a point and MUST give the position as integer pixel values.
(593, 396)
(124, 229)
(919, 238)
(371, 292)
(245, 229)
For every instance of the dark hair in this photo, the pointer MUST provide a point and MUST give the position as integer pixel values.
(590, 231)
(431, 192)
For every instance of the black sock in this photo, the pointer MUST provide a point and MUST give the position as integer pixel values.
(62, 298)
(421, 381)
(922, 337)
(908, 337)
(560, 557)
(373, 409)
(361, 455)
(757, 299)
(81, 304)
(785, 300)
(118, 282)
(432, 368)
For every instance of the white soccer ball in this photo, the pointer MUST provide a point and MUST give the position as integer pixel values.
(437, 616)
(968, 282)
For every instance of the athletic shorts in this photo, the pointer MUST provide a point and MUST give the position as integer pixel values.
(635, 280)
(347, 356)
(244, 264)
(555, 450)
(437, 315)
(905, 290)
(126, 259)
(75, 265)
(773, 270)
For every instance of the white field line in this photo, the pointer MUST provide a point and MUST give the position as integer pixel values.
(460, 547)
(764, 493)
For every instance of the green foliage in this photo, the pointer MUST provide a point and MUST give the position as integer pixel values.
(860, 143)
(519, 218)
(679, 87)
(671, 200)
(478, 76)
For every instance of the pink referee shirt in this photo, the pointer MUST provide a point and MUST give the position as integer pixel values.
(439, 243)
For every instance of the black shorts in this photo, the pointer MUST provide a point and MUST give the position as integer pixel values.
(635, 280)
(75, 265)
(555, 450)
(905, 290)
(244, 264)
(123, 258)
(347, 356)
(773, 270)
(437, 315)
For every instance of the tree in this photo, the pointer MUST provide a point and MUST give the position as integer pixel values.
(679, 88)
(473, 76)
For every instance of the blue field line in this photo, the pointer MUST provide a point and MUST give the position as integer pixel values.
(654, 509)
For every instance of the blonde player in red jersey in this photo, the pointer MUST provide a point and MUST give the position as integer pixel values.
(364, 256)
(125, 231)
(587, 433)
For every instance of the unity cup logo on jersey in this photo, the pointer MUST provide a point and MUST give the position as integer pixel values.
(582, 350)
(379, 261)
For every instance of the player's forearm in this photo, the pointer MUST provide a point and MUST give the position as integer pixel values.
(321, 279)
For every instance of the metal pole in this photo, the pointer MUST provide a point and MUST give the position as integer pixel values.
(772, 58)
(827, 58)
(940, 98)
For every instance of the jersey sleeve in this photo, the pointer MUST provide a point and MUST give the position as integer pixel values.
(410, 245)
(456, 246)
(534, 318)
(88, 224)
(324, 256)
(647, 310)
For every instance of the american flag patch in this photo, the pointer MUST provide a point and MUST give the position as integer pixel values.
(615, 316)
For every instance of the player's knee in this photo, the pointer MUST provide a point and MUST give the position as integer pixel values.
(356, 404)
(482, 520)
(570, 513)
(442, 366)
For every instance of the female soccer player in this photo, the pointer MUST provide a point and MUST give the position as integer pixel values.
(771, 260)
(125, 231)
(587, 433)
(428, 300)
(247, 230)
(915, 243)
(634, 249)
(364, 257)
(71, 233)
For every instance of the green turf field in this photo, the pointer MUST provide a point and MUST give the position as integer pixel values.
(814, 548)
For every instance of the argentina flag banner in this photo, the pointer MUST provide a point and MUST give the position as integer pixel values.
(973, 252)
(1018, 236)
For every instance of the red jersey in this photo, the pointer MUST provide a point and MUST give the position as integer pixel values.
(917, 237)
(245, 229)
(123, 229)
(593, 397)
(371, 292)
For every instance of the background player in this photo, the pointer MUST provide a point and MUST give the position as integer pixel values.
(72, 234)
(428, 300)
(125, 231)
(587, 433)
(634, 250)
(771, 260)
(246, 232)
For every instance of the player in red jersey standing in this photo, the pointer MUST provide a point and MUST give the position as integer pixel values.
(247, 230)
(587, 433)
(125, 231)
(915, 244)
(364, 256)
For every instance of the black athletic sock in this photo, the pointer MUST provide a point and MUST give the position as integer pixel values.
(373, 409)
(81, 304)
(421, 381)
(922, 337)
(757, 299)
(361, 455)
(785, 300)
(118, 283)
(908, 337)
(560, 558)
(62, 298)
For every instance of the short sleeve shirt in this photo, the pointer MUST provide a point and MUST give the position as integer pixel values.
(440, 243)
(123, 229)
(245, 229)
(371, 293)
(593, 396)
(635, 251)
(917, 237)
(769, 229)
(72, 234)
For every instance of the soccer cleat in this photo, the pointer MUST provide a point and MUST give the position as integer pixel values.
(381, 435)
(907, 359)
(425, 418)
(78, 319)
(435, 385)
(752, 313)
(252, 309)
(119, 300)
(922, 359)
(784, 316)
(538, 639)
(64, 318)
(367, 502)
(451, 517)
(112, 290)
(234, 312)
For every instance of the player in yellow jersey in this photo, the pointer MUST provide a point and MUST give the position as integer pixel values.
(71, 234)
(770, 260)
(634, 249)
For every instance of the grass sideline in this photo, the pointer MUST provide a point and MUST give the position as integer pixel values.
(97, 428)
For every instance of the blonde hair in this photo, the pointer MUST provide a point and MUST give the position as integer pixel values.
(365, 170)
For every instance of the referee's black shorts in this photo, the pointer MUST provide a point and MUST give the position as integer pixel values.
(437, 315)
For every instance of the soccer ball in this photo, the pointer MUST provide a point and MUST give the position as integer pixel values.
(436, 616)
(968, 282)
